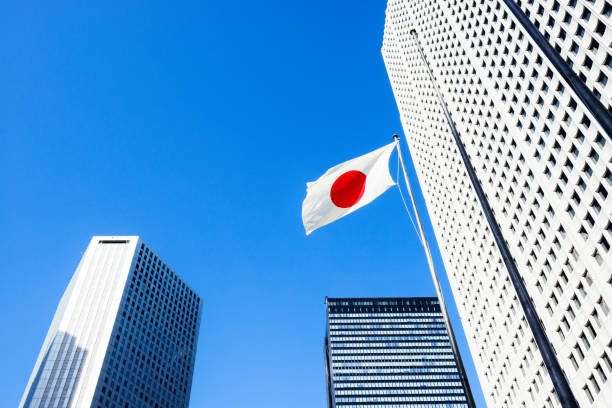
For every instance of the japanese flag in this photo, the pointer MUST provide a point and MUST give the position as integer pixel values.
(347, 187)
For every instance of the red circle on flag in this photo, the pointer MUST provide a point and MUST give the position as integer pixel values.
(348, 189)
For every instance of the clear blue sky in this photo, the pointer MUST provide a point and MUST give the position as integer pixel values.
(196, 126)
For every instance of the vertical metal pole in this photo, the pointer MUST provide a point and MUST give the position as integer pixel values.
(434, 276)
(560, 383)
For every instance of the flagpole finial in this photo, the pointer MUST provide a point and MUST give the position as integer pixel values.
(395, 137)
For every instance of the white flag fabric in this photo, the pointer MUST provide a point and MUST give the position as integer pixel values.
(346, 188)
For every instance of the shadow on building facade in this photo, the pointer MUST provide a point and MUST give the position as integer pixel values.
(58, 374)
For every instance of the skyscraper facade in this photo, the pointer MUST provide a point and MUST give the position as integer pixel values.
(124, 334)
(544, 160)
(390, 352)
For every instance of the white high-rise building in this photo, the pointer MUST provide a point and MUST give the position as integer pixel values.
(545, 163)
(124, 334)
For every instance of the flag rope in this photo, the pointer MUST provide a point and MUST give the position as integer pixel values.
(449, 328)
(399, 188)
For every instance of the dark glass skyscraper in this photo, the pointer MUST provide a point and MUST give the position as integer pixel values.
(390, 352)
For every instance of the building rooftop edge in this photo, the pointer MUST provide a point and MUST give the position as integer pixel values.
(382, 298)
(138, 238)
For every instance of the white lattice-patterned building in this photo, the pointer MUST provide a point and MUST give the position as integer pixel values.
(545, 164)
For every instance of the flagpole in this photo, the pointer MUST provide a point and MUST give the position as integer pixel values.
(434, 276)
(549, 356)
